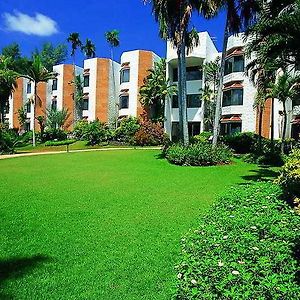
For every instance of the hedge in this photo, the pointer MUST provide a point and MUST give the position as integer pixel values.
(59, 143)
(244, 248)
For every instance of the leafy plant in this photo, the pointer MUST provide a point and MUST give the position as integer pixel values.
(96, 133)
(200, 154)
(244, 248)
(127, 129)
(59, 143)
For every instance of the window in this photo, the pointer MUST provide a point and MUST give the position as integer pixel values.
(54, 85)
(192, 73)
(85, 104)
(231, 128)
(193, 101)
(29, 88)
(86, 80)
(54, 104)
(194, 128)
(125, 75)
(234, 64)
(233, 97)
(28, 107)
(124, 102)
(175, 131)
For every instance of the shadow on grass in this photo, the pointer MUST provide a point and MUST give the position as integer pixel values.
(262, 174)
(18, 267)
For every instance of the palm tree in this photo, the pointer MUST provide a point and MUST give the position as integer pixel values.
(112, 38)
(79, 95)
(174, 18)
(156, 89)
(240, 13)
(89, 49)
(37, 73)
(74, 40)
(8, 83)
(286, 87)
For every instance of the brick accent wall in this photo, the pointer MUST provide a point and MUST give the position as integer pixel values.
(266, 122)
(102, 89)
(145, 63)
(68, 91)
(17, 102)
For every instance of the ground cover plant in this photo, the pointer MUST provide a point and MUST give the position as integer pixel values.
(199, 154)
(100, 225)
(246, 247)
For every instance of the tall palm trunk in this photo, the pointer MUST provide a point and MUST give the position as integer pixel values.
(272, 124)
(260, 125)
(33, 113)
(182, 92)
(220, 87)
(284, 125)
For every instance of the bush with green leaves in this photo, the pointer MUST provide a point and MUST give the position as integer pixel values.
(289, 177)
(242, 142)
(9, 139)
(80, 129)
(59, 143)
(245, 247)
(200, 154)
(127, 129)
(202, 137)
(97, 133)
(52, 134)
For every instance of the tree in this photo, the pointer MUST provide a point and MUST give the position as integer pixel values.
(51, 55)
(112, 38)
(37, 73)
(89, 49)
(239, 14)
(174, 18)
(22, 117)
(286, 87)
(8, 83)
(209, 92)
(79, 96)
(156, 89)
(57, 118)
(74, 40)
(42, 123)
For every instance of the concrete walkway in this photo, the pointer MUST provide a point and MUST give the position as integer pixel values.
(73, 151)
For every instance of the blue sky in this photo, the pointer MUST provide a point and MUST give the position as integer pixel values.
(92, 18)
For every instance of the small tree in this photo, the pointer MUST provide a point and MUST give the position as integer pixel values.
(22, 117)
(156, 89)
(56, 119)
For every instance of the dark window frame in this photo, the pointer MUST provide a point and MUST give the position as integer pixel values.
(192, 74)
(86, 80)
(190, 99)
(85, 104)
(232, 64)
(123, 78)
(54, 84)
(228, 97)
(29, 88)
(124, 102)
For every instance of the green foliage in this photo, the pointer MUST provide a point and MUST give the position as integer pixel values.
(289, 177)
(96, 133)
(59, 143)
(127, 129)
(56, 119)
(80, 129)
(241, 143)
(52, 55)
(150, 134)
(112, 38)
(22, 116)
(202, 137)
(89, 49)
(244, 248)
(200, 154)
(52, 134)
(156, 89)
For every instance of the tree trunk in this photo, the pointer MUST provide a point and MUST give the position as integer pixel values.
(182, 92)
(272, 124)
(284, 126)
(33, 114)
(220, 87)
(260, 123)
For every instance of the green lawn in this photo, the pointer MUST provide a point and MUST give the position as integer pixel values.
(100, 225)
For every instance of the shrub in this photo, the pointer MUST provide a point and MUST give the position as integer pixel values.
(59, 143)
(96, 133)
(54, 134)
(200, 154)
(127, 129)
(149, 134)
(289, 177)
(202, 137)
(244, 248)
(241, 142)
(80, 129)
(9, 139)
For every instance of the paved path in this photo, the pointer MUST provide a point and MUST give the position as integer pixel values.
(73, 151)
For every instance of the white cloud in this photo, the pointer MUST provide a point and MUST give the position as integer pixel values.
(39, 24)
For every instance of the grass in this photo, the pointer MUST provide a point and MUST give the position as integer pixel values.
(100, 225)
